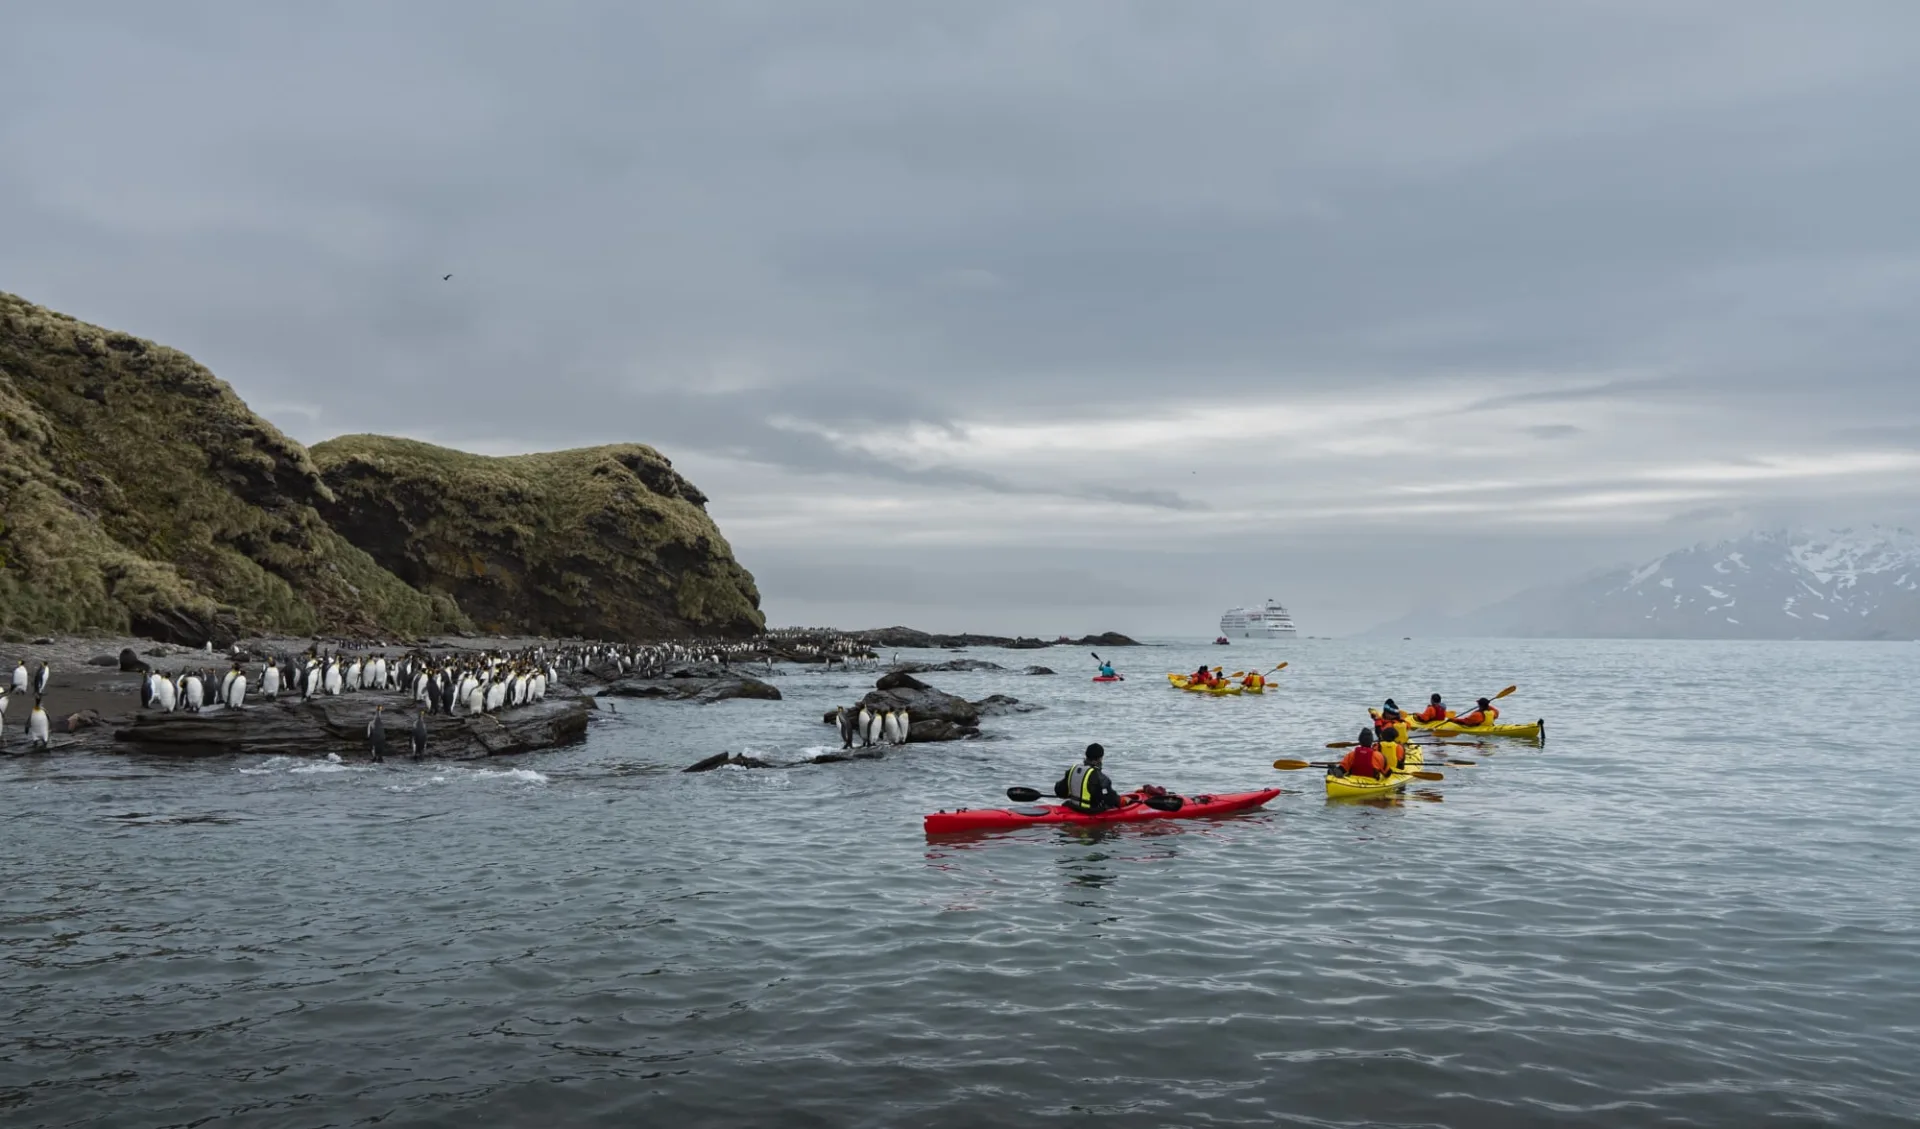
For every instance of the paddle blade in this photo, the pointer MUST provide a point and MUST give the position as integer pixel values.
(1023, 795)
(1505, 692)
(1457, 760)
(1282, 666)
(1426, 776)
(1340, 744)
(1287, 764)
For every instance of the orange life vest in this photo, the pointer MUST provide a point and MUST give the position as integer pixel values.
(1432, 713)
(1478, 717)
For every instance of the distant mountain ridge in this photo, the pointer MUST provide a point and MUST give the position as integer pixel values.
(1770, 584)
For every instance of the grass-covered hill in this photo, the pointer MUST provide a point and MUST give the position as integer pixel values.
(138, 494)
(605, 542)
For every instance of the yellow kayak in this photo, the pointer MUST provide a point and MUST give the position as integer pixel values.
(1184, 682)
(1534, 730)
(1343, 787)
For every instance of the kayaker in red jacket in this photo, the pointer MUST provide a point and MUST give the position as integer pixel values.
(1482, 713)
(1085, 787)
(1436, 710)
(1202, 677)
(1365, 759)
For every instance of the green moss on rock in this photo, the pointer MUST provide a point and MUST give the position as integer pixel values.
(139, 494)
(604, 542)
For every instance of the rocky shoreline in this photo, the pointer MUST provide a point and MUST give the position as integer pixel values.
(93, 695)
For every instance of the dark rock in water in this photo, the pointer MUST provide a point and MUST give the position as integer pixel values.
(949, 665)
(692, 688)
(75, 722)
(339, 725)
(997, 705)
(103, 660)
(934, 715)
(720, 760)
(1024, 644)
(130, 662)
(1108, 639)
(1039, 670)
(855, 755)
(899, 681)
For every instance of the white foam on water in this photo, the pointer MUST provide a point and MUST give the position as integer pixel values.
(330, 766)
(525, 775)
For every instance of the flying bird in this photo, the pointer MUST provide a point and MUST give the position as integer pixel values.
(445, 277)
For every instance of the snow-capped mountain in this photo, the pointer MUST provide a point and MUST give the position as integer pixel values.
(1777, 584)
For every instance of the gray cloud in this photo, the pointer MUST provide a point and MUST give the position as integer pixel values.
(929, 263)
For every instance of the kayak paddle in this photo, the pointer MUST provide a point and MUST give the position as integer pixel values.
(1417, 774)
(1422, 744)
(1158, 803)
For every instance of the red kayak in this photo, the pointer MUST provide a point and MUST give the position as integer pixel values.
(1104, 678)
(998, 819)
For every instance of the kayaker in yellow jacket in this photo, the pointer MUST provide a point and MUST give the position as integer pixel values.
(1086, 787)
(1483, 712)
(1254, 680)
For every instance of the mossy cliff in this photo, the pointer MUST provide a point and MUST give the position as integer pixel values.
(138, 494)
(605, 542)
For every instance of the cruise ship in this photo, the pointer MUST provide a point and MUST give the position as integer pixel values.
(1268, 621)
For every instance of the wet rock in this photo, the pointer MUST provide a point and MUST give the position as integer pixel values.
(721, 760)
(934, 715)
(684, 689)
(949, 665)
(1039, 670)
(998, 705)
(75, 722)
(898, 681)
(339, 725)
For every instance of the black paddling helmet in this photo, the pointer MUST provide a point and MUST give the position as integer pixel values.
(1483, 703)
(1435, 700)
(1095, 752)
(1366, 735)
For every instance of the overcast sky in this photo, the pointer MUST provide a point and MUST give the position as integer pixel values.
(1035, 316)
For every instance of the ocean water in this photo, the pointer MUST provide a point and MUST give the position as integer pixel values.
(1697, 904)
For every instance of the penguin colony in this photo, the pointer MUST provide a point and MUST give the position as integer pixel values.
(462, 684)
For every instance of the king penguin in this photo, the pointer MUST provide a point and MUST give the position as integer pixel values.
(37, 726)
(40, 679)
(419, 734)
(377, 735)
(841, 715)
(865, 722)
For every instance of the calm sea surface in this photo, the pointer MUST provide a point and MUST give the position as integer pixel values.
(1699, 904)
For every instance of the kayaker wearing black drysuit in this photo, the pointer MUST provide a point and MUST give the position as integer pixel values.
(1085, 787)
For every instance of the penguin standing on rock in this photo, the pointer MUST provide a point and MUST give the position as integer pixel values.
(419, 734)
(20, 676)
(237, 689)
(270, 682)
(865, 722)
(37, 726)
(876, 727)
(3, 708)
(377, 736)
(40, 678)
(846, 727)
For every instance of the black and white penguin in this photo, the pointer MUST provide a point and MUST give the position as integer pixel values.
(193, 692)
(436, 693)
(419, 734)
(3, 707)
(875, 726)
(20, 677)
(40, 679)
(846, 727)
(270, 682)
(37, 728)
(237, 690)
(863, 720)
(377, 735)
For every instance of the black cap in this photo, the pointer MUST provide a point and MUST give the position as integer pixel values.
(1095, 752)
(1435, 699)
(1366, 736)
(1483, 703)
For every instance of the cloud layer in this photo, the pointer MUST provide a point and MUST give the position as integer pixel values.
(1029, 317)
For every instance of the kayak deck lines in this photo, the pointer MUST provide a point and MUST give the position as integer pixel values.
(1029, 815)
